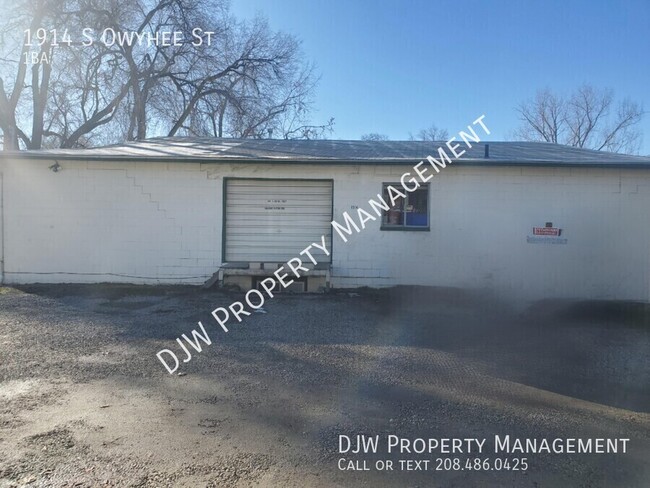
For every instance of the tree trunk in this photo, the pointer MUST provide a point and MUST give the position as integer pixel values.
(39, 100)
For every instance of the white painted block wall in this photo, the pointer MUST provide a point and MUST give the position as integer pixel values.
(124, 222)
(480, 218)
(161, 223)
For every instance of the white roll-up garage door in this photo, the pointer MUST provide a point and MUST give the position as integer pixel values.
(273, 220)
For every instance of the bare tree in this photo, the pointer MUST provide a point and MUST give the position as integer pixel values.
(14, 67)
(543, 118)
(433, 133)
(257, 85)
(374, 136)
(308, 131)
(248, 81)
(588, 118)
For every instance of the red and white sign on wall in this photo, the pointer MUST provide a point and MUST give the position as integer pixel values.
(547, 231)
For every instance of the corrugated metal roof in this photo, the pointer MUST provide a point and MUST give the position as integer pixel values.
(192, 149)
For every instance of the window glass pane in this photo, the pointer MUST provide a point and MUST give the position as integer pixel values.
(417, 208)
(395, 214)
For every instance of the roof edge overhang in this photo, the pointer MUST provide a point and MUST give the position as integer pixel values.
(26, 155)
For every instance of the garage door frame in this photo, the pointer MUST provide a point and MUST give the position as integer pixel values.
(224, 207)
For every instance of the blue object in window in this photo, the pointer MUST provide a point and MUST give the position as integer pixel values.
(417, 219)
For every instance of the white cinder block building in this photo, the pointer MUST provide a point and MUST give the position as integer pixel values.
(530, 220)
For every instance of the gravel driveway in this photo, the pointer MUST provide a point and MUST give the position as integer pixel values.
(85, 402)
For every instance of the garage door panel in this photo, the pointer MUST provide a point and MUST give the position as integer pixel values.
(273, 220)
(274, 229)
(287, 211)
(274, 185)
(289, 218)
(297, 230)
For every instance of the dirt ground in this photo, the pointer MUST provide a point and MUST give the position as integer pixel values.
(85, 402)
